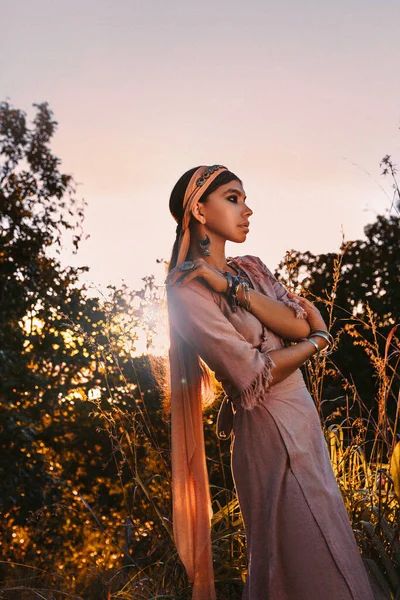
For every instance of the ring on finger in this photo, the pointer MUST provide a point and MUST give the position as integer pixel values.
(188, 265)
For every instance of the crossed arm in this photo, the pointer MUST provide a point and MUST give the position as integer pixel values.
(201, 323)
(278, 317)
(283, 316)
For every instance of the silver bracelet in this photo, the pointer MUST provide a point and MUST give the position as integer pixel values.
(329, 348)
(323, 351)
(326, 332)
(246, 293)
(323, 335)
(314, 343)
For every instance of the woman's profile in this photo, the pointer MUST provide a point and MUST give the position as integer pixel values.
(231, 316)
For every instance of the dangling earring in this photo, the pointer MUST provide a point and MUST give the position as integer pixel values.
(205, 245)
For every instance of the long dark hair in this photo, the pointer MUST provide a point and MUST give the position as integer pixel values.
(202, 383)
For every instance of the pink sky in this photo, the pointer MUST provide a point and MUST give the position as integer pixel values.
(287, 96)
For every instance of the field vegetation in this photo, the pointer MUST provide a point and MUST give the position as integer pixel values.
(85, 473)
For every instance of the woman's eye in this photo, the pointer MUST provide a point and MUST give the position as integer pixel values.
(235, 198)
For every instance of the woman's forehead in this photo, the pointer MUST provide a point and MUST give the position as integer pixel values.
(232, 186)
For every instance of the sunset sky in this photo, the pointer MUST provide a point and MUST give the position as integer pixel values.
(300, 99)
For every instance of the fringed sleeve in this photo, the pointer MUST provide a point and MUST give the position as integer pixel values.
(280, 291)
(202, 324)
(253, 394)
(199, 323)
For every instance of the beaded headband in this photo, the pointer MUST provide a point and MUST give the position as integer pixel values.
(207, 173)
(199, 182)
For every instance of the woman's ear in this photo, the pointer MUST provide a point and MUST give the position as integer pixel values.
(197, 214)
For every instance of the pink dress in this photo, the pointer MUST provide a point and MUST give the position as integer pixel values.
(300, 543)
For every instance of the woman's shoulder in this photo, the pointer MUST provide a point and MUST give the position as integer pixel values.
(252, 262)
(247, 258)
(194, 292)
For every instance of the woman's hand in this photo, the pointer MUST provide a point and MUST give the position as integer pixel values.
(216, 280)
(314, 317)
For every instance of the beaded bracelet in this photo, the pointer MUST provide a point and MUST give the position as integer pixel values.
(244, 285)
(232, 293)
(234, 281)
(230, 282)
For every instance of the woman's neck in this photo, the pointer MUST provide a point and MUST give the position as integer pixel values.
(217, 258)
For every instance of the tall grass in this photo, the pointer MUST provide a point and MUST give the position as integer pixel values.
(129, 553)
(364, 450)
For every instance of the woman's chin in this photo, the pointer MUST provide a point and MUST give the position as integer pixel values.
(243, 234)
(240, 237)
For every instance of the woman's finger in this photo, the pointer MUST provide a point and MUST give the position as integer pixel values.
(178, 277)
(296, 297)
(174, 275)
(301, 298)
(192, 274)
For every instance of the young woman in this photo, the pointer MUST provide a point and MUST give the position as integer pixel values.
(232, 316)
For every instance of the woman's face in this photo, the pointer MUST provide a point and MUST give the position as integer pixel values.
(226, 212)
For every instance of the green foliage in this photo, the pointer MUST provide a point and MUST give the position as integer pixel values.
(54, 343)
(361, 304)
(37, 203)
(84, 452)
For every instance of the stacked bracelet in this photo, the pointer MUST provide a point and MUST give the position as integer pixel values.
(324, 334)
(229, 278)
(234, 282)
(313, 343)
(244, 285)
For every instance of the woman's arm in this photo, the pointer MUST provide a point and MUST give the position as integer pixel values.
(277, 316)
(283, 315)
(202, 325)
(287, 360)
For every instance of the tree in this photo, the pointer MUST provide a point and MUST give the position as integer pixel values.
(60, 350)
(369, 285)
(37, 205)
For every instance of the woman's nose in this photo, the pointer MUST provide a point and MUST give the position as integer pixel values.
(248, 211)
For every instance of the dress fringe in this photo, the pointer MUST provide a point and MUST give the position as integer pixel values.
(299, 310)
(251, 396)
(259, 271)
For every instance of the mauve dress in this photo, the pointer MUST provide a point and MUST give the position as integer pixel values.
(300, 543)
